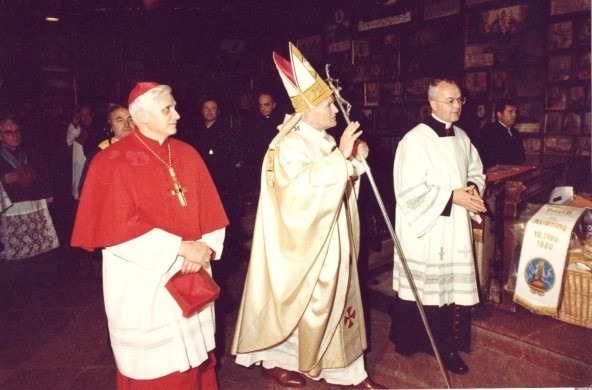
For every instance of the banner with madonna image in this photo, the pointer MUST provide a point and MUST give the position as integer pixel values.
(543, 258)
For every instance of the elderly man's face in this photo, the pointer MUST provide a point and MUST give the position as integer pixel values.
(209, 110)
(446, 103)
(161, 116)
(266, 105)
(121, 123)
(323, 116)
(10, 135)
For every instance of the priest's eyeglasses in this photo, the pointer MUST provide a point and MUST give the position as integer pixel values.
(450, 102)
(11, 132)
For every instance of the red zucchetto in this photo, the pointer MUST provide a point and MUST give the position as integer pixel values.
(140, 89)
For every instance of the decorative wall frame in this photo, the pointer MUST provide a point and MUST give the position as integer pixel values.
(553, 122)
(433, 9)
(560, 35)
(583, 146)
(576, 97)
(499, 23)
(416, 90)
(560, 7)
(338, 32)
(479, 55)
(559, 68)
(529, 116)
(371, 94)
(501, 84)
(476, 83)
(532, 145)
(392, 92)
(572, 123)
(559, 145)
(556, 98)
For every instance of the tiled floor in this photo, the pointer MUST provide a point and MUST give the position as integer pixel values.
(54, 336)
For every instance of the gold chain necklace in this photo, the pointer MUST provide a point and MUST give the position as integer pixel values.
(179, 190)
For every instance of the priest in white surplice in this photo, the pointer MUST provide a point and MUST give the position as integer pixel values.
(438, 179)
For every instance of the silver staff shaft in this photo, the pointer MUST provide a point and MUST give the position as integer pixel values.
(345, 111)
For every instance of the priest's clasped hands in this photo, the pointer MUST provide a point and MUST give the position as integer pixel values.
(469, 198)
(195, 255)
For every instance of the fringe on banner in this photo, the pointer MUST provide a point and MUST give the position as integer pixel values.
(549, 311)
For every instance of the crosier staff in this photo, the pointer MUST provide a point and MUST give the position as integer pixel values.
(345, 107)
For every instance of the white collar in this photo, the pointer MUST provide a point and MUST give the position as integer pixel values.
(448, 125)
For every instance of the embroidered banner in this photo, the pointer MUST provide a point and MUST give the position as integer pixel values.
(542, 259)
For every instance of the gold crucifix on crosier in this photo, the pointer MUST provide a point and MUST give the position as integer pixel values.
(178, 190)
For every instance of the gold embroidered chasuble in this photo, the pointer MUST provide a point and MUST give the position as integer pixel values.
(303, 267)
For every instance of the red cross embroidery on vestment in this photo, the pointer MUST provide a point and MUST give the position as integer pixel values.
(349, 317)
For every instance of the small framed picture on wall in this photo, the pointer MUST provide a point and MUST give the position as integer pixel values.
(576, 97)
(476, 83)
(572, 123)
(501, 83)
(529, 117)
(532, 145)
(553, 122)
(371, 94)
(559, 145)
(583, 146)
(556, 98)
(416, 90)
(582, 66)
(559, 68)
(560, 35)
(560, 7)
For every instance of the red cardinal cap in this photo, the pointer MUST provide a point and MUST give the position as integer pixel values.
(140, 89)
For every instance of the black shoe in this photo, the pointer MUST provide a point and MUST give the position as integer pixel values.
(405, 351)
(409, 351)
(454, 363)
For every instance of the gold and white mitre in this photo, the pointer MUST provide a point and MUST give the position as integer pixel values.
(303, 84)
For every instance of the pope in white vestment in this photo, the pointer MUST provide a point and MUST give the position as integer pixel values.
(301, 310)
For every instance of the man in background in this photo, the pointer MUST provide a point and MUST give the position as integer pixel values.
(80, 130)
(262, 128)
(217, 143)
(500, 142)
(26, 228)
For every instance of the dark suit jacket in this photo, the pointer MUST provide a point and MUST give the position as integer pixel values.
(496, 146)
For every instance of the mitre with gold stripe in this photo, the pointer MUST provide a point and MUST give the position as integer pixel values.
(303, 84)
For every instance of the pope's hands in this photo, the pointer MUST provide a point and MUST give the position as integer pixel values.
(195, 255)
(469, 198)
(361, 149)
(348, 139)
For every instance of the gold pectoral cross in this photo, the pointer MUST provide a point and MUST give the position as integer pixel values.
(178, 190)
